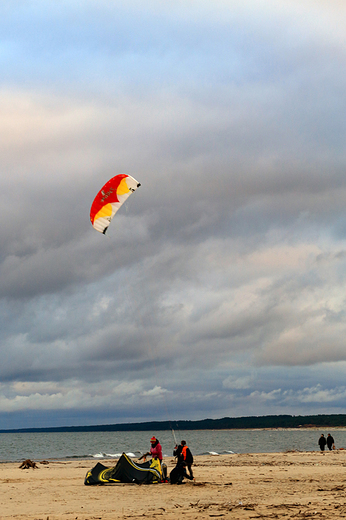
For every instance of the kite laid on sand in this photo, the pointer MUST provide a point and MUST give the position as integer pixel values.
(126, 471)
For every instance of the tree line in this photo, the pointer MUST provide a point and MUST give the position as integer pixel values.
(226, 423)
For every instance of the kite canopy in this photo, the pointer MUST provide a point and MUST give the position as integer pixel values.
(109, 199)
(126, 471)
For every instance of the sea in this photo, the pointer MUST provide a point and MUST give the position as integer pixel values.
(108, 445)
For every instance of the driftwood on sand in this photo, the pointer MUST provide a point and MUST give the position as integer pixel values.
(27, 464)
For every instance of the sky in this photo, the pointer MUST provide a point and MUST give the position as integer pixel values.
(220, 290)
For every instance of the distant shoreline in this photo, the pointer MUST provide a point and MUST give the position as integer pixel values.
(267, 422)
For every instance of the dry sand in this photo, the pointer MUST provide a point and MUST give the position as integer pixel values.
(276, 485)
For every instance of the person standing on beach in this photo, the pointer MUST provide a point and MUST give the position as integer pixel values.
(330, 442)
(184, 456)
(156, 453)
(322, 442)
(187, 457)
(184, 460)
(155, 450)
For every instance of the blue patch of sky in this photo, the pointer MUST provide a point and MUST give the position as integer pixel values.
(119, 44)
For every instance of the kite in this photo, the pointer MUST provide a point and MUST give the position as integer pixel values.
(126, 471)
(109, 199)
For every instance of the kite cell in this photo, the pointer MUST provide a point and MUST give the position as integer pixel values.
(109, 199)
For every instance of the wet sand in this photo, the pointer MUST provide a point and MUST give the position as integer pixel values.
(276, 485)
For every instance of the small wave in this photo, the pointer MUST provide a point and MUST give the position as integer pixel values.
(209, 453)
(111, 455)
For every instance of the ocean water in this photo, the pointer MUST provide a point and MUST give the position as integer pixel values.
(86, 445)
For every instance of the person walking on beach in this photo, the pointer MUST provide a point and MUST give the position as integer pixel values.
(330, 442)
(322, 442)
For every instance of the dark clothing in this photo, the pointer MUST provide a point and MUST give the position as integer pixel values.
(330, 442)
(177, 453)
(188, 459)
(322, 442)
(178, 474)
(190, 470)
(184, 459)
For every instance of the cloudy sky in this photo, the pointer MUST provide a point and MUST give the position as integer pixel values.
(221, 288)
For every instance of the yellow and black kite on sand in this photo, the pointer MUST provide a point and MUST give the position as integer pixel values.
(126, 471)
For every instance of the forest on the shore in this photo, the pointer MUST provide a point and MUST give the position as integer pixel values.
(226, 423)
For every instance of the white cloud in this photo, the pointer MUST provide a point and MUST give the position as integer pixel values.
(156, 391)
(266, 396)
(318, 394)
(237, 383)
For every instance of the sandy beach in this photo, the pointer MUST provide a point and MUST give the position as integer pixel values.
(276, 485)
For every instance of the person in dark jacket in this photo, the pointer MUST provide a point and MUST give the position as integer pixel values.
(330, 442)
(177, 453)
(322, 442)
(187, 457)
(184, 460)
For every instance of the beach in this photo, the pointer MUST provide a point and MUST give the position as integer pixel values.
(240, 486)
